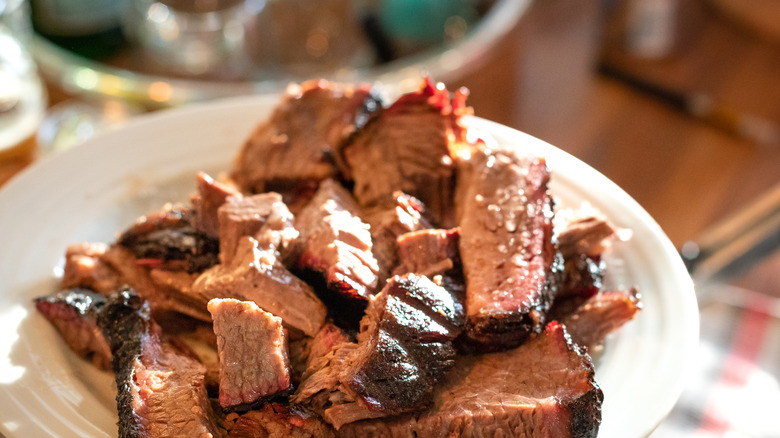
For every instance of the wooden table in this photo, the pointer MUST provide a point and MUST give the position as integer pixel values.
(687, 174)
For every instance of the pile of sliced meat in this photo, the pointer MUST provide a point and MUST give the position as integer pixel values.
(362, 270)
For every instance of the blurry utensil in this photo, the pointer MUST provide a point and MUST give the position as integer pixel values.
(700, 106)
(736, 243)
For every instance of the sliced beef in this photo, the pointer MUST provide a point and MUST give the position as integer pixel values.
(253, 358)
(601, 315)
(301, 141)
(86, 268)
(74, 314)
(257, 275)
(429, 252)
(307, 351)
(211, 194)
(435, 254)
(160, 392)
(276, 420)
(169, 240)
(400, 214)
(164, 290)
(587, 235)
(506, 247)
(544, 388)
(336, 243)
(264, 217)
(410, 147)
(404, 348)
(323, 343)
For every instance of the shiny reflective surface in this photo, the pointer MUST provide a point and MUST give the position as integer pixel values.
(79, 75)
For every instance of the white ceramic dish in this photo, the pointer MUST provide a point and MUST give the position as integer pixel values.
(93, 191)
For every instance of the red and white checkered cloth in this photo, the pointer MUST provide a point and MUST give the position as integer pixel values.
(735, 389)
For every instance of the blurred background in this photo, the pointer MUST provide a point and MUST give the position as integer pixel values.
(676, 101)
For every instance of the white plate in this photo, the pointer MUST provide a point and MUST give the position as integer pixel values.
(93, 191)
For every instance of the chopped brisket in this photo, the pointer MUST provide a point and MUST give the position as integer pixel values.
(404, 348)
(252, 352)
(600, 315)
(301, 141)
(74, 314)
(168, 239)
(257, 275)
(410, 147)
(85, 268)
(264, 217)
(160, 392)
(544, 388)
(506, 247)
(585, 235)
(429, 252)
(164, 290)
(388, 220)
(276, 420)
(336, 243)
(305, 352)
(210, 196)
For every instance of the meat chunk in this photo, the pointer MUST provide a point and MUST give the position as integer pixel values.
(264, 217)
(404, 348)
(410, 147)
(168, 239)
(210, 196)
(544, 388)
(276, 420)
(301, 141)
(257, 275)
(160, 392)
(86, 268)
(164, 290)
(252, 352)
(588, 235)
(601, 315)
(429, 252)
(506, 247)
(74, 314)
(388, 220)
(336, 243)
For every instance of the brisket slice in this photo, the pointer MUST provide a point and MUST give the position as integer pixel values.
(410, 147)
(400, 214)
(257, 275)
(335, 243)
(85, 268)
(264, 217)
(276, 420)
(301, 140)
(305, 352)
(164, 290)
(74, 314)
(429, 252)
(169, 240)
(544, 388)
(601, 315)
(206, 201)
(252, 352)
(160, 392)
(506, 247)
(403, 349)
(588, 235)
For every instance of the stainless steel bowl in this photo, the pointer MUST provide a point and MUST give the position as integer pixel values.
(81, 76)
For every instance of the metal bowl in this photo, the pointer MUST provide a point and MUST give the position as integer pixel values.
(445, 62)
